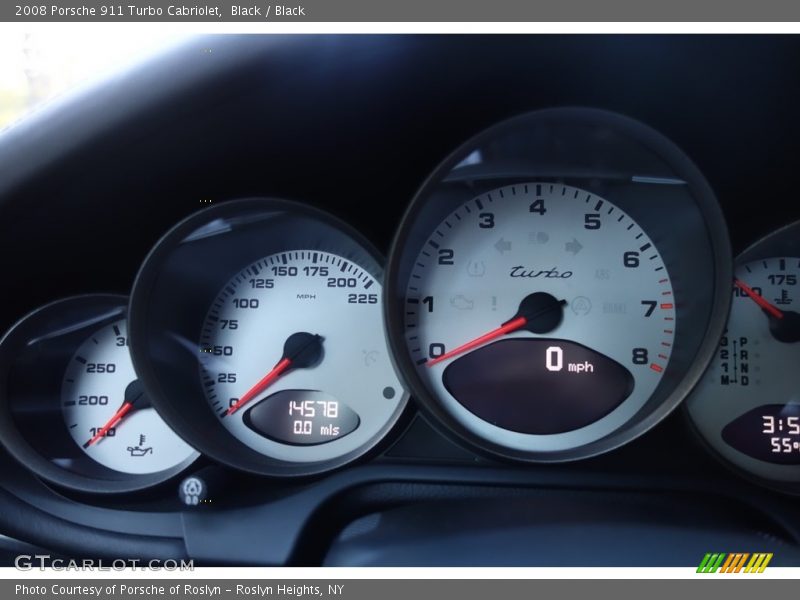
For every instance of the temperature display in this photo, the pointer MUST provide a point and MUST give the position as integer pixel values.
(770, 433)
(747, 405)
(288, 337)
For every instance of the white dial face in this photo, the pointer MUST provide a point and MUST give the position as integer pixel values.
(294, 358)
(98, 382)
(592, 263)
(747, 406)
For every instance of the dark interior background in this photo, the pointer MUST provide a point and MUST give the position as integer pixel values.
(355, 124)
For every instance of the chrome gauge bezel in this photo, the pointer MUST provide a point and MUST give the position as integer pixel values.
(224, 239)
(49, 336)
(441, 194)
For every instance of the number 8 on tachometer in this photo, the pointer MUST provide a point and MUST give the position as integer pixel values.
(547, 287)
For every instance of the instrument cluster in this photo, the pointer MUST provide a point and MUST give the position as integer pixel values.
(558, 285)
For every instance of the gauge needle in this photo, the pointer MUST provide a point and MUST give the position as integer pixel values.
(538, 312)
(133, 393)
(759, 299)
(301, 351)
(784, 325)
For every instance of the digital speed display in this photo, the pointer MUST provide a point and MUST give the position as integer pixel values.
(770, 433)
(562, 374)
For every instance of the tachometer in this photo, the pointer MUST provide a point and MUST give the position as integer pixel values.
(257, 329)
(512, 291)
(552, 289)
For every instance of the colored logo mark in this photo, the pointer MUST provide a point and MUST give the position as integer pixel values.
(734, 562)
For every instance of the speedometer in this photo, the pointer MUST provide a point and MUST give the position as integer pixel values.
(300, 329)
(257, 330)
(553, 287)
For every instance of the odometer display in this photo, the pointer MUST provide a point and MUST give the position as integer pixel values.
(257, 324)
(321, 313)
(302, 417)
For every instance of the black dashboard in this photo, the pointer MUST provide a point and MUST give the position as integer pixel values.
(200, 183)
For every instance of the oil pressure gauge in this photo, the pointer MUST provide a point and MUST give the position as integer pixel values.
(72, 408)
(747, 406)
(107, 412)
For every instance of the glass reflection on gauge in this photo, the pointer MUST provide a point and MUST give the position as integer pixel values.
(539, 302)
(615, 353)
(747, 407)
(769, 432)
(107, 412)
(256, 325)
(71, 406)
(292, 353)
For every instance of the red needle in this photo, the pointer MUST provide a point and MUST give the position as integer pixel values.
(759, 299)
(512, 325)
(123, 410)
(254, 391)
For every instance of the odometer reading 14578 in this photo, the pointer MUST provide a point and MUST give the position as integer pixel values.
(289, 372)
(293, 356)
